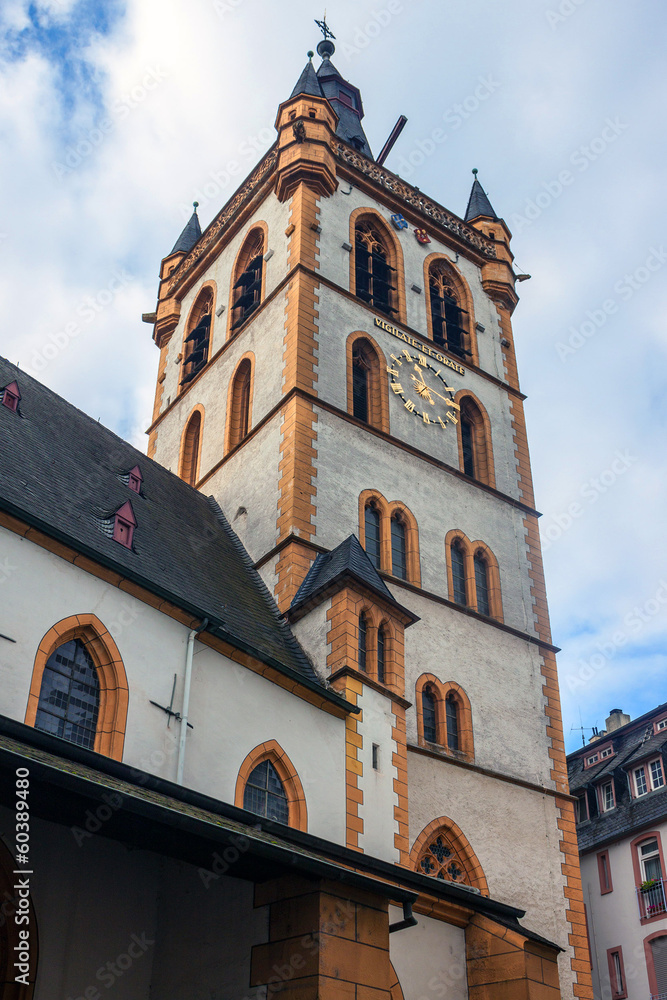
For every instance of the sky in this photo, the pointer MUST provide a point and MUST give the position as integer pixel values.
(115, 116)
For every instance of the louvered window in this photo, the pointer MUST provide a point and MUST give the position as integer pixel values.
(69, 698)
(363, 636)
(448, 319)
(428, 716)
(264, 794)
(374, 276)
(452, 713)
(247, 291)
(398, 561)
(458, 574)
(197, 345)
(659, 954)
(482, 585)
(372, 530)
(382, 647)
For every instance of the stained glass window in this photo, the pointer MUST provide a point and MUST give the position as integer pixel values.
(398, 562)
(428, 716)
(452, 713)
(69, 698)
(264, 794)
(363, 631)
(382, 645)
(372, 526)
(481, 585)
(458, 574)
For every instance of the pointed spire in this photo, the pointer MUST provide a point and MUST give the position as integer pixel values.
(478, 203)
(343, 96)
(190, 234)
(308, 82)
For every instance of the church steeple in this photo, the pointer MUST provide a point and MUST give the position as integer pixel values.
(190, 234)
(478, 203)
(308, 82)
(344, 97)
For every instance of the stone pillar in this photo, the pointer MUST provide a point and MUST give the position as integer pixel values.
(504, 965)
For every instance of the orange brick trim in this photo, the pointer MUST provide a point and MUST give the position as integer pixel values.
(502, 964)
(465, 298)
(343, 638)
(190, 450)
(509, 357)
(440, 691)
(271, 750)
(475, 412)
(204, 303)
(114, 691)
(387, 510)
(445, 827)
(234, 431)
(378, 392)
(159, 392)
(470, 550)
(394, 255)
(400, 761)
(240, 265)
(351, 688)
(10, 942)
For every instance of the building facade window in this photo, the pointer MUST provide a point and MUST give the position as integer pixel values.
(481, 585)
(452, 716)
(656, 954)
(398, 548)
(360, 388)
(10, 396)
(374, 274)
(265, 795)
(474, 439)
(196, 343)
(449, 321)
(606, 796)
(444, 716)
(381, 654)
(581, 808)
(247, 287)
(69, 698)
(649, 859)
(604, 872)
(240, 398)
(473, 576)
(363, 640)
(467, 444)
(190, 448)
(648, 777)
(429, 716)
(389, 534)
(443, 851)
(458, 574)
(616, 973)
(367, 388)
(372, 523)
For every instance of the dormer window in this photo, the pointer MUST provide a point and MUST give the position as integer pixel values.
(124, 523)
(11, 396)
(661, 725)
(135, 479)
(593, 759)
(346, 98)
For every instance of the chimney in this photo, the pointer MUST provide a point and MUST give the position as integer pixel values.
(617, 718)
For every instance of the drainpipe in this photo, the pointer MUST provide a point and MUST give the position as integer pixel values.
(186, 699)
(409, 920)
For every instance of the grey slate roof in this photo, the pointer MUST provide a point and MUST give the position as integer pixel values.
(478, 203)
(308, 82)
(347, 560)
(349, 125)
(632, 744)
(63, 473)
(189, 236)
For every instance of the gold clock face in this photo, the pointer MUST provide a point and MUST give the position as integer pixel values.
(423, 390)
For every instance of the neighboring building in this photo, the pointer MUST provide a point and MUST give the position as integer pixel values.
(361, 641)
(621, 791)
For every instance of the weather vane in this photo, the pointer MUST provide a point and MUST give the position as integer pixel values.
(324, 27)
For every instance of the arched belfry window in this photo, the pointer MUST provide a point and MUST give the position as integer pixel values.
(363, 641)
(372, 526)
(361, 371)
(239, 403)
(198, 337)
(190, 446)
(475, 441)
(247, 287)
(265, 795)
(429, 716)
(449, 320)
(375, 277)
(398, 548)
(482, 584)
(452, 718)
(69, 698)
(382, 654)
(458, 573)
(468, 445)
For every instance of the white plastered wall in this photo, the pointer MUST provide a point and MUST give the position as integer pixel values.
(377, 809)
(429, 959)
(232, 709)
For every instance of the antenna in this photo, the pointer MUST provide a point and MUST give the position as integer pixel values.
(389, 144)
(584, 729)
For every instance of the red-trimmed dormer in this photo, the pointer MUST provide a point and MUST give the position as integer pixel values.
(135, 479)
(599, 754)
(124, 525)
(11, 395)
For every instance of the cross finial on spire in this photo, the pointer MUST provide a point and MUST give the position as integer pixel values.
(324, 27)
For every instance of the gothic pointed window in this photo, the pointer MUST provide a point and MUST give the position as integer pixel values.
(475, 442)
(429, 716)
(443, 856)
(375, 277)
(189, 461)
(265, 795)
(363, 639)
(247, 287)
(69, 698)
(398, 551)
(239, 417)
(458, 573)
(448, 319)
(197, 340)
(468, 446)
(482, 585)
(360, 375)
(367, 387)
(381, 654)
(452, 717)
(372, 530)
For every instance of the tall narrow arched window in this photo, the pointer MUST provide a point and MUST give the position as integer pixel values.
(360, 379)
(458, 573)
(69, 698)
(264, 794)
(482, 584)
(382, 654)
(239, 416)
(429, 716)
(190, 446)
(198, 336)
(476, 454)
(468, 446)
(375, 281)
(449, 321)
(363, 639)
(247, 287)
(398, 550)
(372, 532)
(366, 383)
(452, 716)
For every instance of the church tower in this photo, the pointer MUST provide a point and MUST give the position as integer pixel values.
(337, 369)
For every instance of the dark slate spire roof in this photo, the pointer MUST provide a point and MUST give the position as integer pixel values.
(478, 203)
(66, 474)
(190, 234)
(347, 560)
(349, 127)
(308, 82)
